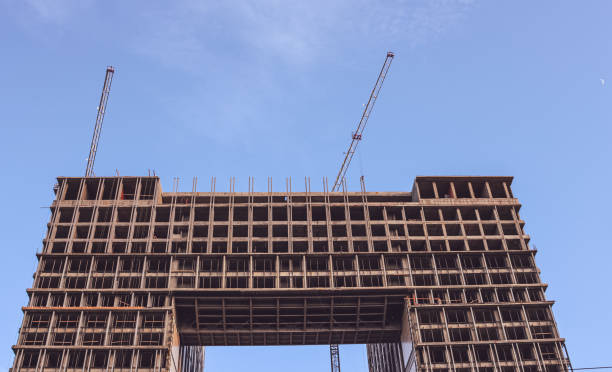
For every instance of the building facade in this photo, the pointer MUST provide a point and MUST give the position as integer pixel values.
(439, 278)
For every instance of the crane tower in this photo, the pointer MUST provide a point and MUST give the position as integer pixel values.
(334, 350)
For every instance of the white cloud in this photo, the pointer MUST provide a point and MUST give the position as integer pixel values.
(56, 11)
(241, 46)
(187, 32)
(291, 32)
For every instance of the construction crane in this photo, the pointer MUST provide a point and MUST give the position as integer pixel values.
(99, 119)
(367, 111)
(334, 350)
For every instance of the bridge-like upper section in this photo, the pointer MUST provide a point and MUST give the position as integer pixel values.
(275, 267)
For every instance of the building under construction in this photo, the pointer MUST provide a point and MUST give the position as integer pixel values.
(440, 278)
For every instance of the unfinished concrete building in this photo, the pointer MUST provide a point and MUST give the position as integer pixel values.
(440, 278)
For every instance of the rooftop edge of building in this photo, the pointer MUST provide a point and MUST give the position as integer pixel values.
(149, 187)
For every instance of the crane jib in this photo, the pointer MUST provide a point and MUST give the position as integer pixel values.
(357, 135)
(93, 149)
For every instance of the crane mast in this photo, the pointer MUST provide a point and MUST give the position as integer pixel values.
(99, 119)
(356, 137)
(334, 353)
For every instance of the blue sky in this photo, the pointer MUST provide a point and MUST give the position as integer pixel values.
(274, 88)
